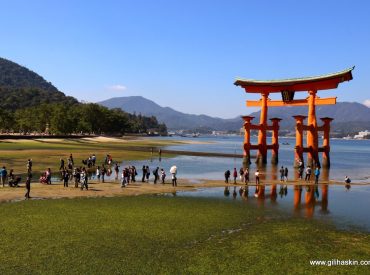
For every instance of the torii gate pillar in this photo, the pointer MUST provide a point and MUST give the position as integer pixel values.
(247, 140)
(298, 149)
(326, 141)
(262, 145)
(275, 140)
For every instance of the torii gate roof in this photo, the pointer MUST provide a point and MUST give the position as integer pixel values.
(314, 83)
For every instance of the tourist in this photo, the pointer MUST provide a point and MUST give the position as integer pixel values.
(282, 173)
(126, 175)
(257, 174)
(347, 180)
(317, 175)
(29, 166)
(123, 179)
(103, 172)
(246, 176)
(133, 174)
(300, 172)
(3, 175)
(116, 171)
(147, 174)
(65, 178)
(235, 175)
(173, 171)
(156, 175)
(71, 159)
(163, 175)
(93, 159)
(144, 173)
(28, 187)
(227, 176)
(83, 178)
(76, 175)
(48, 176)
(61, 167)
(308, 173)
(97, 173)
(286, 174)
(241, 174)
(13, 180)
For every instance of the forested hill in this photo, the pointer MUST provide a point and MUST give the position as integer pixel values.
(30, 104)
(21, 87)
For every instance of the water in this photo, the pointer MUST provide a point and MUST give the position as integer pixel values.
(348, 209)
(348, 158)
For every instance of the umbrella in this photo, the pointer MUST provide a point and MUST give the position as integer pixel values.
(173, 170)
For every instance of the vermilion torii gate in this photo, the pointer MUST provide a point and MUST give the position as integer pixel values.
(287, 88)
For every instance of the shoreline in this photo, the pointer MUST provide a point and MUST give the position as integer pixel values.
(113, 189)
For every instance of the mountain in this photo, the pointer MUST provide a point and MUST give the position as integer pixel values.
(349, 116)
(21, 87)
(173, 119)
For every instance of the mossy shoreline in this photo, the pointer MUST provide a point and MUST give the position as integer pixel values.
(168, 235)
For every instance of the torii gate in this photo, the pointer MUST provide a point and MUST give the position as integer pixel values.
(287, 88)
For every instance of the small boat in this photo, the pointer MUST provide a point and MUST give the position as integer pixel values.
(285, 143)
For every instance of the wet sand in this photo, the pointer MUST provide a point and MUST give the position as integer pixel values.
(110, 189)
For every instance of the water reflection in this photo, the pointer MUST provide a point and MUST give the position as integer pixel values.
(314, 196)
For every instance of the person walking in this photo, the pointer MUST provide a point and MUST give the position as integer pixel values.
(83, 178)
(29, 166)
(227, 176)
(241, 174)
(300, 172)
(103, 172)
(123, 179)
(65, 178)
(308, 173)
(116, 171)
(48, 176)
(235, 175)
(257, 174)
(246, 176)
(3, 174)
(77, 176)
(163, 175)
(147, 173)
(156, 175)
(286, 174)
(282, 172)
(173, 171)
(144, 173)
(98, 173)
(28, 188)
(61, 167)
(317, 175)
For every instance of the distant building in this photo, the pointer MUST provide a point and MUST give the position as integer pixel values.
(362, 135)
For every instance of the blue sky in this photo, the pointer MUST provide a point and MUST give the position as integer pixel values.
(187, 54)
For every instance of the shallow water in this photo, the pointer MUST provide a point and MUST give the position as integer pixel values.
(348, 209)
(348, 157)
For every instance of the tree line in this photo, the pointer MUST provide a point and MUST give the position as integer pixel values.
(65, 119)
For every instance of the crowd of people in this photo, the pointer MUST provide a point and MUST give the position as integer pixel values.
(80, 175)
(244, 174)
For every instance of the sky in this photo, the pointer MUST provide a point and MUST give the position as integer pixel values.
(187, 54)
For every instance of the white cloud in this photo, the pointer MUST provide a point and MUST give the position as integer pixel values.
(117, 87)
(367, 103)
